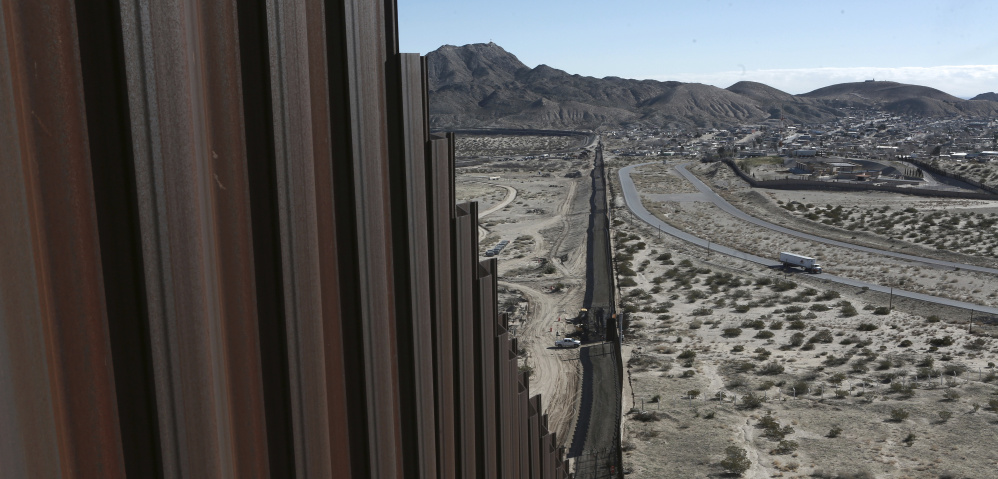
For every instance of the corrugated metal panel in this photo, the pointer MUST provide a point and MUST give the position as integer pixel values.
(58, 398)
(231, 249)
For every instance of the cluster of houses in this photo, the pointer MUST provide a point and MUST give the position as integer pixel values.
(858, 133)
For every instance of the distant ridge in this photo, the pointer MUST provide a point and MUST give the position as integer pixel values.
(483, 85)
(989, 96)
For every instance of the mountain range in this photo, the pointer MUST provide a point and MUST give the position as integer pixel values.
(483, 85)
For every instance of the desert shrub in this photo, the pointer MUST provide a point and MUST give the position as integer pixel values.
(656, 398)
(764, 334)
(797, 324)
(732, 332)
(703, 311)
(793, 309)
(625, 282)
(742, 308)
(932, 319)
(976, 345)
(909, 439)
(926, 362)
(696, 324)
(797, 339)
(693, 393)
(828, 296)
(882, 310)
(763, 281)
(755, 324)
(735, 460)
(781, 285)
(771, 368)
(737, 348)
(819, 307)
(899, 414)
(751, 401)
(687, 354)
(785, 447)
(647, 416)
(744, 366)
(954, 369)
(775, 325)
(867, 327)
(694, 295)
(993, 404)
(689, 373)
(835, 431)
(832, 361)
(945, 416)
(849, 311)
(905, 344)
(841, 393)
(823, 336)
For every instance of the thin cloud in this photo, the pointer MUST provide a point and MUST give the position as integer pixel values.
(959, 80)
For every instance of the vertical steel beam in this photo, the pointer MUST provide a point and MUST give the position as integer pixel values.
(485, 378)
(185, 100)
(358, 52)
(465, 267)
(55, 367)
(340, 446)
(407, 171)
(439, 171)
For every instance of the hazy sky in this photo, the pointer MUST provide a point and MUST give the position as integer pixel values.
(794, 46)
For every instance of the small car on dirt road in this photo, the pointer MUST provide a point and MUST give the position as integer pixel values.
(567, 343)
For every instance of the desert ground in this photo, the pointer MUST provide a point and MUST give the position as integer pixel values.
(542, 270)
(791, 375)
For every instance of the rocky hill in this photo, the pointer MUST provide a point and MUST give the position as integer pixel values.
(482, 85)
(990, 96)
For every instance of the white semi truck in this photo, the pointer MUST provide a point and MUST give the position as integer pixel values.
(809, 264)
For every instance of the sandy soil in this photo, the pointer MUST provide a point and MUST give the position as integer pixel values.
(716, 325)
(542, 270)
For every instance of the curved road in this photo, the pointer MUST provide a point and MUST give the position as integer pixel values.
(730, 209)
(633, 201)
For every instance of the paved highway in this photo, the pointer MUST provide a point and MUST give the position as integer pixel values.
(633, 201)
(730, 209)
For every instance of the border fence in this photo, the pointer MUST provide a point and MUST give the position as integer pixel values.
(231, 249)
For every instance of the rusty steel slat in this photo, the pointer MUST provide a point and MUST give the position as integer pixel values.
(523, 419)
(485, 378)
(225, 172)
(109, 129)
(503, 387)
(534, 435)
(57, 360)
(357, 44)
(412, 270)
(548, 456)
(512, 405)
(439, 212)
(296, 202)
(332, 312)
(465, 265)
(182, 62)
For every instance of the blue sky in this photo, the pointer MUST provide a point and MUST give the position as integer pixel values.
(794, 46)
